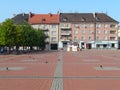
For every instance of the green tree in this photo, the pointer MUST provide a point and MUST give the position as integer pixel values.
(2, 37)
(28, 35)
(41, 39)
(32, 37)
(12, 35)
(8, 35)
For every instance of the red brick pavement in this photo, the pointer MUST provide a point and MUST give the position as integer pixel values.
(25, 84)
(75, 64)
(91, 84)
(81, 65)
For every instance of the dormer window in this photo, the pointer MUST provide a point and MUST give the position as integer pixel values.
(98, 19)
(83, 19)
(43, 19)
(65, 19)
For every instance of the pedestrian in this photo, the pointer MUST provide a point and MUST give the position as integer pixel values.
(46, 62)
(101, 66)
(7, 68)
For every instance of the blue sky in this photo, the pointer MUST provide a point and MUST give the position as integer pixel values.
(10, 7)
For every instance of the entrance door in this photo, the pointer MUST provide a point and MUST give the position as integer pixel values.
(104, 45)
(113, 45)
(83, 45)
(88, 46)
(54, 46)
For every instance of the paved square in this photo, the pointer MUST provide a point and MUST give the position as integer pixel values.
(84, 70)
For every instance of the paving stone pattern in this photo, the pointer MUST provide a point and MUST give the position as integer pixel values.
(57, 83)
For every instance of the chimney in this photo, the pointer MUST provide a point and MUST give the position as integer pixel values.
(58, 12)
(94, 15)
(23, 14)
(50, 14)
(30, 14)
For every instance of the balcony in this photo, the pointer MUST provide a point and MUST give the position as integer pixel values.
(113, 32)
(66, 34)
(113, 26)
(65, 27)
(113, 38)
(64, 40)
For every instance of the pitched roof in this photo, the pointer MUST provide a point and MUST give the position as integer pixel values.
(20, 18)
(44, 19)
(102, 17)
(76, 17)
(85, 17)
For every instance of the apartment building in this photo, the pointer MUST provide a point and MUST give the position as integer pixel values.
(90, 30)
(119, 37)
(49, 23)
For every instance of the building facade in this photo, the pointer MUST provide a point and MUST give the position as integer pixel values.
(119, 37)
(49, 23)
(90, 30)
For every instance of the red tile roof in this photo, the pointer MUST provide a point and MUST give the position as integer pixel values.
(44, 19)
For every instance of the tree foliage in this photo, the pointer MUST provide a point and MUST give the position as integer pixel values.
(20, 35)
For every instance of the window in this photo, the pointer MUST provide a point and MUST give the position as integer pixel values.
(43, 20)
(53, 26)
(98, 25)
(105, 25)
(82, 38)
(76, 25)
(97, 18)
(97, 37)
(68, 32)
(90, 38)
(53, 32)
(62, 25)
(53, 39)
(105, 31)
(66, 25)
(90, 32)
(39, 26)
(83, 19)
(105, 38)
(76, 31)
(64, 19)
(83, 31)
(98, 32)
(83, 25)
(75, 38)
(46, 33)
(90, 25)
(44, 27)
